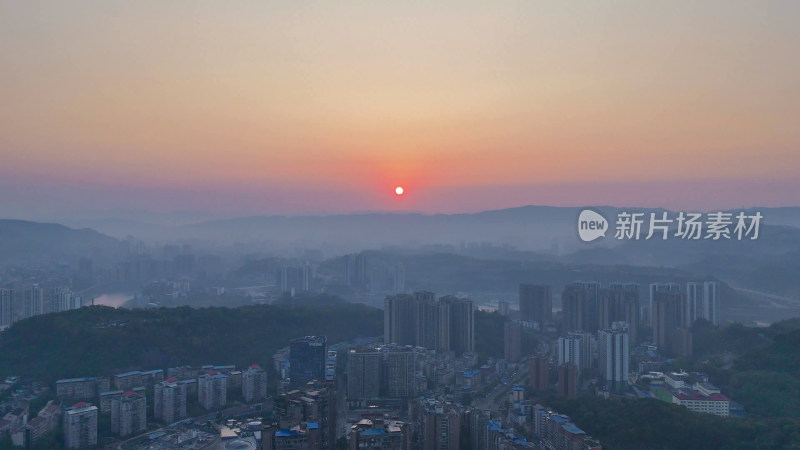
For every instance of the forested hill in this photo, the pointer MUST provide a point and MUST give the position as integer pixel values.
(102, 341)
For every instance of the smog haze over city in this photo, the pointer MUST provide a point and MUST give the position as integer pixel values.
(399, 225)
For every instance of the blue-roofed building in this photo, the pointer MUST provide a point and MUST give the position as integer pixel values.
(470, 378)
(561, 433)
(517, 394)
(82, 388)
(380, 434)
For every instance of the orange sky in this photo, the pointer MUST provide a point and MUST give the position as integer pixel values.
(105, 103)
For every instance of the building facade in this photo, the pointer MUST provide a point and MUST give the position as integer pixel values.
(212, 389)
(80, 426)
(536, 304)
(307, 358)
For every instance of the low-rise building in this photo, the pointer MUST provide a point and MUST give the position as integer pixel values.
(379, 435)
(713, 403)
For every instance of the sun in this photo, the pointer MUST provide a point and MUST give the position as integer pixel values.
(399, 190)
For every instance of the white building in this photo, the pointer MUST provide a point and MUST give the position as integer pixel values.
(61, 299)
(169, 401)
(702, 302)
(254, 384)
(613, 354)
(575, 348)
(676, 380)
(6, 308)
(129, 414)
(212, 390)
(713, 403)
(710, 305)
(80, 426)
(34, 301)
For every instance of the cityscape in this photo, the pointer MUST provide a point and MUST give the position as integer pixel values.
(361, 225)
(426, 382)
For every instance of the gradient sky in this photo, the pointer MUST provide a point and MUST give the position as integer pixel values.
(295, 107)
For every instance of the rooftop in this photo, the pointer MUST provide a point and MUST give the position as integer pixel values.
(690, 395)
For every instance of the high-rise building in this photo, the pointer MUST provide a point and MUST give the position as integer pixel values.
(539, 378)
(356, 269)
(254, 384)
(620, 302)
(694, 302)
(307, 356)
(536, 304)
(576, 349)
(702, 301)
(710, 306)
(128, 414)
(576, 310)
(60, 299)
(503, 307)
(364, 374)
(441, 428)
(82, 388)
(568, 380)
(80, 426)
(656, 288)
(169, 403)
(592, 289)
(442, 328)
(401, 371)
(294, 279)
(512, 341)
(668, 314)
(425, 317)
(613, 354)
(6, 307)
(388, 279)
(212, 389)
(420, 320)
(34, 301)
(462, 324)
(400, 320)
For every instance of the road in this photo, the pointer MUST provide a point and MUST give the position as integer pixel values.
(497, 397)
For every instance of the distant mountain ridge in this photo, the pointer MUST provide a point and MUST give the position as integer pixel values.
(25, 241)
(549, 228)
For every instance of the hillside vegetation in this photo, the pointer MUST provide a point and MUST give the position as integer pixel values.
(101, 340)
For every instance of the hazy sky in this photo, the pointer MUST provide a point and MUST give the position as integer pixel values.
(298, 106)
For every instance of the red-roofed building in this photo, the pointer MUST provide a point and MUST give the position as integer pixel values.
(697, 401)
(129, 414)
(254, 384)
(212, 390)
